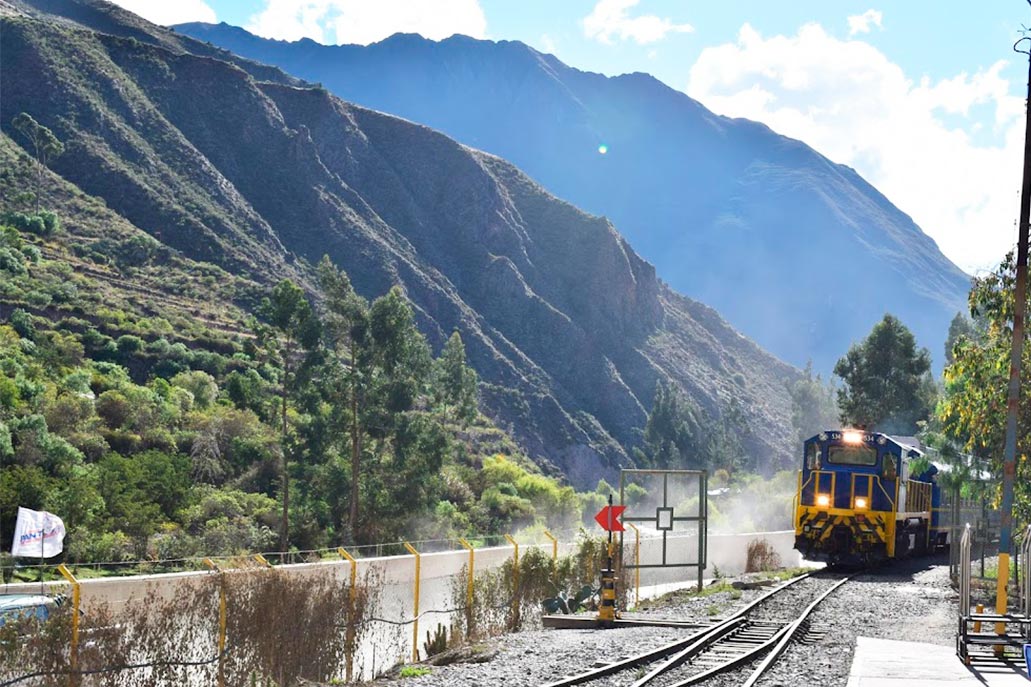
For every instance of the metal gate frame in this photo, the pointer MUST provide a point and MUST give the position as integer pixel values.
(701, 518)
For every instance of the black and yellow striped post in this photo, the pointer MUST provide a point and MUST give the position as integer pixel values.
(607, 606)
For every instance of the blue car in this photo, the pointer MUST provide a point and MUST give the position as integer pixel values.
(14, 607)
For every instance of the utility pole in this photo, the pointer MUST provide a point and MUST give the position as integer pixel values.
(1009, 465)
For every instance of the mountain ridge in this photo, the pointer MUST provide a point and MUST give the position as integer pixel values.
(568, 327)
(728, 211)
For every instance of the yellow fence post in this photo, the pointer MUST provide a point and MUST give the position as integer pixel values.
(637, 563)
(262, 560)
(415, 623)
(554, 554)
(515, 580)
(351, 597)
(221, 617)
(469, 584)
(73, 657)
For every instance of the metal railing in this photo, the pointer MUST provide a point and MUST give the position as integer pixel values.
(918, 496)
(1025, 581)
(815, 478)
(964, 573)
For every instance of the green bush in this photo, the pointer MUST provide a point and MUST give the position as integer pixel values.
(114, 409)
(21, 321)
(12, 261)
(31, 253)
(51, 222)
(34, 224)
(129, 344)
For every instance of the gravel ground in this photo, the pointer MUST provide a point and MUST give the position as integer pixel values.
(908, 600)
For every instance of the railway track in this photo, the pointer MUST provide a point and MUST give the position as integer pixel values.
(754, 631)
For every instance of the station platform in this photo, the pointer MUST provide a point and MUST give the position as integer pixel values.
(888, 663)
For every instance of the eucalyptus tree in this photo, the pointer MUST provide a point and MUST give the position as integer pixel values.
(45, 146)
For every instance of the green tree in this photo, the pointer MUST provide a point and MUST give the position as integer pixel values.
(455, 382)
(960, 329)
(399, 351)
(45, 146)
(377, 366)
(200, 384)
(296, 331)
(347, 338)
(887, 383)
(407, 478)
(143, 491)
(725, 438)
(673, 434)
(813, 405)
(972, 412)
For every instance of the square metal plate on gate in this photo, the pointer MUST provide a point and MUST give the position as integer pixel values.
(670, 506)
(663, 518)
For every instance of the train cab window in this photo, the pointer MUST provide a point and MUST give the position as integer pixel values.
(812, 457)
(852, 455)
(889, 468)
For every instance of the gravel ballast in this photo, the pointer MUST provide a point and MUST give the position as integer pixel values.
(907, 600)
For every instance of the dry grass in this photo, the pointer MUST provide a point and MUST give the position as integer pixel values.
(761, 556)
(280, 630)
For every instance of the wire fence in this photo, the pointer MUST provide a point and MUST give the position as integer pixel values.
(503, 588)
(28, 570)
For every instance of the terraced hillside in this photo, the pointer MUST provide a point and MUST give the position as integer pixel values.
(241, 171)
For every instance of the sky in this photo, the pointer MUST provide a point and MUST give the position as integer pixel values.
(924, 99)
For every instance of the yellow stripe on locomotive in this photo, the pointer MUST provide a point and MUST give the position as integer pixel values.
(857, 502)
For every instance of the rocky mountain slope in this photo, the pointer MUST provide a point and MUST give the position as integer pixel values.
(240, 166)
(801, 254)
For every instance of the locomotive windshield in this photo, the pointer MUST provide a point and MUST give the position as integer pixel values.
(852, 455)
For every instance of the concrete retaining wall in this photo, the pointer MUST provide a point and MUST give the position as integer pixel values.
(395, 575)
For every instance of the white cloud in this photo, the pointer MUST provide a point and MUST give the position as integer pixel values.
(546, 44)
(291, 20)
(168, 12)
(367, 21)
(610, 19)
(954, 169)
(860, 23)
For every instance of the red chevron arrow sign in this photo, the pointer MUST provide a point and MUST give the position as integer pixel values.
(608, 518)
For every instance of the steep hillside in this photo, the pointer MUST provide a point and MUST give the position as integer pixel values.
(799, 253)
(569, 329)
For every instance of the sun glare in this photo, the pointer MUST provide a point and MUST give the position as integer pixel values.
(602, 149)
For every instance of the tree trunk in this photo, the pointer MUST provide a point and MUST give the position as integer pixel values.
(356, 453)
(39, 182)
(284, 525)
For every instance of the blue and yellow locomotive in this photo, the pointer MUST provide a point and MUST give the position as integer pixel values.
(857, 501)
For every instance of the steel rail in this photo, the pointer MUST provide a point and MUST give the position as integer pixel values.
(693, 649)
(789, 633)
(729, 664)
(699, 638)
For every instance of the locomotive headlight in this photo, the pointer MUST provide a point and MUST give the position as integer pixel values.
(852, 437)
(860, 502)
(823, 500)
